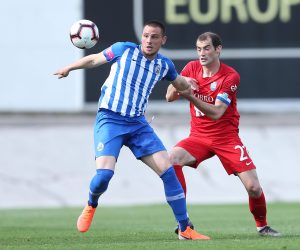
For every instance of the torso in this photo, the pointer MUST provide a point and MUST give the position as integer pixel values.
(132, 77)
(223, 85)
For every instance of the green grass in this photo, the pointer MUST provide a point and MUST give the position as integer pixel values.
(147, 227)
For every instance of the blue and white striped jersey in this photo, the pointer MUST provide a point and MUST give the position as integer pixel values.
(131, 79)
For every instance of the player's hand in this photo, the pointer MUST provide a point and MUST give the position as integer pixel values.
(187, 93)
(62, 73)
(193, 83)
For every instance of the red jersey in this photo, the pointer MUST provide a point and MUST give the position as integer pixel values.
(222, 86)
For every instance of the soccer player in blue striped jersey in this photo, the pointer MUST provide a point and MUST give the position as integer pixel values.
(135, 70)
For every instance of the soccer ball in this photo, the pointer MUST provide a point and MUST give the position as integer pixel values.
(84, 34)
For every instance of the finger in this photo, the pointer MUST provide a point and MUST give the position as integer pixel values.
(195, 86)
(59, 76)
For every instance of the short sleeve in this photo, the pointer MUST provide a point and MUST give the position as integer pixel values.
(229, 88)
(186, 71)
(172, 73)
(114, 51)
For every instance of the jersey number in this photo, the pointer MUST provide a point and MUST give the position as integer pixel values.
(198, 112)
(242, 149)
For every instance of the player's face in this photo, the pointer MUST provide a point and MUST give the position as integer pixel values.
(152, 40)
(207, 53)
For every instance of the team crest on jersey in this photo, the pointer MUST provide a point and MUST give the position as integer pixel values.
(157, 69)
(213, 86)
(100, 146)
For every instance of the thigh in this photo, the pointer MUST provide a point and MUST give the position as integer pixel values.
(234, 156)
(108, 137)
(180, 156)
(144, 142)
(159, 162)
(198, 148)
(106, 162)
(109, 148)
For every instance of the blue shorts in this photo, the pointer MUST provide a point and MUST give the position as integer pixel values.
(112, 131)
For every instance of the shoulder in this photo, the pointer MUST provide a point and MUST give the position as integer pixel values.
(166, 60)
(230, 71)
(193, 64)
(117, 49)
(191, 67)
(163, 58)
(124, 45)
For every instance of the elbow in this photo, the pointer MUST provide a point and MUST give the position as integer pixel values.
(171, 97)
(168, 98)
(215, 117)
(217, 113)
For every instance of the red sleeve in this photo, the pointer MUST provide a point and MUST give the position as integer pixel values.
(229, 88)
(231, 83)
(188, 70)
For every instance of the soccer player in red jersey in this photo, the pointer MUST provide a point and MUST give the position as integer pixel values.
(215, 125)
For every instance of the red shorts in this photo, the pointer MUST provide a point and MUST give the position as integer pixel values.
(231, 152)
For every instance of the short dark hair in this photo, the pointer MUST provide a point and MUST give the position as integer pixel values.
(155, 23)
(215, 38)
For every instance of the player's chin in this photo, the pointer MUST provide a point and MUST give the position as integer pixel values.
(204, 63)
(150, 53)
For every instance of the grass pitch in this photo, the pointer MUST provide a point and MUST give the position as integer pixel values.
(147, 227)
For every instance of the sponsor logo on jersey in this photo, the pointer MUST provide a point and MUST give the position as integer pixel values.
(100, 146)
(157, 69)
(233, 87)
(213, 86)
(205, 98)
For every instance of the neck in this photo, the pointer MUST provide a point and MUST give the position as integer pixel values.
(148, 56)
(212, 69)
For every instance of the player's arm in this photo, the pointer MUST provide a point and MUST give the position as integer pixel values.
(213, 111)
(90, 61)
(172, 94)
(180, 84)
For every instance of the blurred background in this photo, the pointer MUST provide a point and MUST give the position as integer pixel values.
(46, 124)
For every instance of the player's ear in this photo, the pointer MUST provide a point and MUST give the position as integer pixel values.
(218, 50)
(164, 40)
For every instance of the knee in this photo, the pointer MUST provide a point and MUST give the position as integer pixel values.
(176, 159)
(254, 190)
(101, 180)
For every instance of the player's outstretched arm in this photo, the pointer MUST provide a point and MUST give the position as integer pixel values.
(172, 94)
(90, 61)
(180, 83)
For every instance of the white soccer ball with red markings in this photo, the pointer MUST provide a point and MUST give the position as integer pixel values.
(84, 34)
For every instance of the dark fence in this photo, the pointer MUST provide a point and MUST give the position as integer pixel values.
(261, 39)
